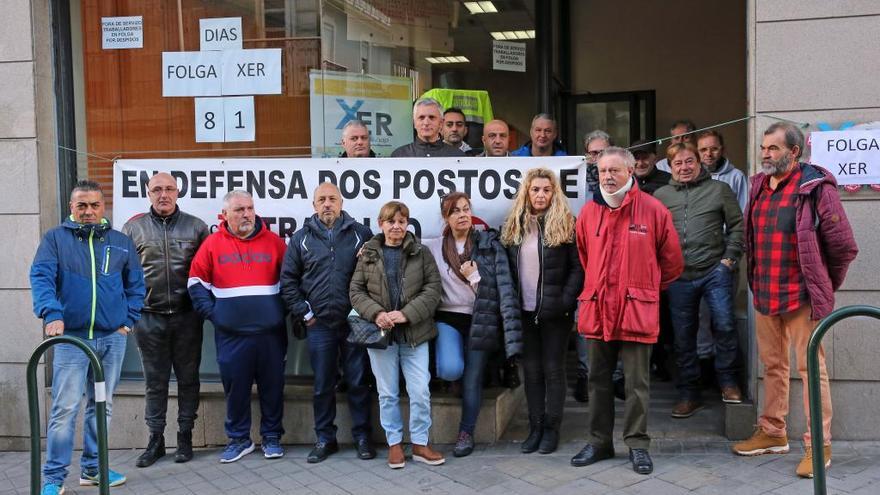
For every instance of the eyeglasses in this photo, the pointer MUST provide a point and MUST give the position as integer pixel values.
(595, 153)
(167, 190)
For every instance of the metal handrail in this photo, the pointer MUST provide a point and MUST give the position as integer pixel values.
(100, 410)
(814, 386)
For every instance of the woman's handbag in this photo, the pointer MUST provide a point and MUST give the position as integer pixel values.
(365, 333)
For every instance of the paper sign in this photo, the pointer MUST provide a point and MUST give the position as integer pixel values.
(853, 156)
(509, 56)
(252, 72)
(209, 120)
(220, 34)
(122, 32)
(239, 118)
(191, 73)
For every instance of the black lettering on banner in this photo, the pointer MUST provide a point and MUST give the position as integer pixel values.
(256, 183)
(417, 227)
(297, 186)
(566, 181)
(235, 179)
(276, 184)
(428, 191)
(129, 184)
(199, 182)
(512, 178)
(496, 184)
(383, 121)
(370, 180)
(402, 180)
(143, 181)
(182, 183)
(215, 177)
(468, 176)
(286, 227)
(327, 176)
(352, 179)
(444, 179)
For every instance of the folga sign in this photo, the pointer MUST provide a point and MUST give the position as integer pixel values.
(216, 73)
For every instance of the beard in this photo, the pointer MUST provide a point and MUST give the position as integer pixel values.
(776, 167)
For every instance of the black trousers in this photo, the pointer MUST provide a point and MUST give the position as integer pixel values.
(543, 362)
(170, 342)
(636, 359)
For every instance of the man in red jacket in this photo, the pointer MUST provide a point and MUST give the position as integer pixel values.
(799, 245)
(630, 252)
(234, 283)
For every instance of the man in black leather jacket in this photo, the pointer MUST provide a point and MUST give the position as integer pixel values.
(169, 333)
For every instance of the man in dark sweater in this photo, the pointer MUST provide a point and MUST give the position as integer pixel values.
(649, 177)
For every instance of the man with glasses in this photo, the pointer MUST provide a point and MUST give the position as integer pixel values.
(169, 333)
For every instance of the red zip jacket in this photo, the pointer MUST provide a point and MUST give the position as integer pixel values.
(629, 255)
(235, 282)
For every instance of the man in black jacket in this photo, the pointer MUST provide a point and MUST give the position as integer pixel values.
(315, 277)
(649, 177)
(169, 333)
(356, 140)
(427, 120)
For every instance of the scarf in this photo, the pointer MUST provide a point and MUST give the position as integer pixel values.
(451, 256)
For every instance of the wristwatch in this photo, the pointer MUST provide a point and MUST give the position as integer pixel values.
(128, 329)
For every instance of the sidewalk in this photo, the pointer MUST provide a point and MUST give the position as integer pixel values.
(680, 467)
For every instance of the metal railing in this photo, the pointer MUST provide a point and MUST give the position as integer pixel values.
(100, 410)
(814, 386)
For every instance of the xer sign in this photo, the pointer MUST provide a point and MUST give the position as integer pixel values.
(381, 123)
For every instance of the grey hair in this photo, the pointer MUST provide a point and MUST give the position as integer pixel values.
(595, 135)
(423, 102)
(793, 135)
(545, 116)
(86, 185)
(235, 192)
(355, 123)
(628, 159)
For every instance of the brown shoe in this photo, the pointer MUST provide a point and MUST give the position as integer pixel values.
(396, 458)
(424, 453)
(731, 395)
(805, 467)
(761, 443)
(686, 408)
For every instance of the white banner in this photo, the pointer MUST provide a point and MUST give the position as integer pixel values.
(383, 103)
(853, 156)
(283, 187)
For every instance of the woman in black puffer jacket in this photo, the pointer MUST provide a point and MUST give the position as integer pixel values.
(539, 235)
(479, 302)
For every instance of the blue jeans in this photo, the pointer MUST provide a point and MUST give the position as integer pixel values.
(71, 378)
(454, 361)
(716, 287)
(387, 365)
(326, 344)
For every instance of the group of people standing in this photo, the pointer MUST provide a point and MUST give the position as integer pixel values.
(474, 291)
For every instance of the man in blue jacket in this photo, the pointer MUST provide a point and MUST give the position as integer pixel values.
(317, 271)
(86, 282)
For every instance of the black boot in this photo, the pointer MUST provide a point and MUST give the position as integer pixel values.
(580, 389)
(550, 437)
(184, 452)
(155, 450)
(511, 374)
(536, 431)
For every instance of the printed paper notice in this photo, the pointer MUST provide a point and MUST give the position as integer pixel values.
(509, 56)
(122, 32)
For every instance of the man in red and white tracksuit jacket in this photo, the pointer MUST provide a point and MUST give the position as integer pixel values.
(234, 283)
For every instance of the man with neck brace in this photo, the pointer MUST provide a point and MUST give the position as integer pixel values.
(629, 249)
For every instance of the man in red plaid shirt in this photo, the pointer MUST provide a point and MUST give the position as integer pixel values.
(799, 245)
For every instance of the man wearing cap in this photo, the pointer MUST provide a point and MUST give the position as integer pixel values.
(648, 176)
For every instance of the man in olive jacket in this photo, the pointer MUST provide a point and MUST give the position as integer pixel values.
(709, 223)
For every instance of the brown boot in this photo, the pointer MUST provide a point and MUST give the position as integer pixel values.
(424, 453)
(396, 458)
(761, 443)
(805, 467)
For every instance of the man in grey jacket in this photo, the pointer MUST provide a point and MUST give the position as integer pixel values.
(315, 279)
(710, 145)
(169, 333)
(710, 229)
(427, 120)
